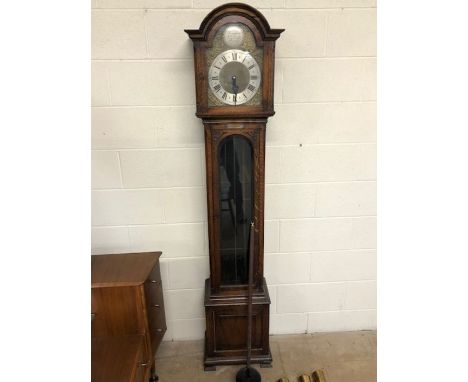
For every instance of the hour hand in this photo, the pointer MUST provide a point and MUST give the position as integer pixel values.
(235, 88)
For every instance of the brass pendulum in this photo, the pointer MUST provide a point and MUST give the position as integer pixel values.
(304, 378)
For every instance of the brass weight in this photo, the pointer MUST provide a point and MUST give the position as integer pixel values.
(318, 376)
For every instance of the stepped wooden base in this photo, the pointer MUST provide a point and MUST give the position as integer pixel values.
(226, 328)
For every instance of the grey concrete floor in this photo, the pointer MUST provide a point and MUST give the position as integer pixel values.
(345, 357)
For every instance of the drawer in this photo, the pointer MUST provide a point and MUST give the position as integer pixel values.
(115, 312)
(156, 314)
(155, 274)
(155, 309)
(118, 359)
(143, 366)
(157, 320)
(154, 294)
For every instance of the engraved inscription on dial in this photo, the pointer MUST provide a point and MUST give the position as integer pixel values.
(233, 36)
(234, 77)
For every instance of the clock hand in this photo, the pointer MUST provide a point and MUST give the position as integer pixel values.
(235, 88)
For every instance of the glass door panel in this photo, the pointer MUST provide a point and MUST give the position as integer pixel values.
(236, 207)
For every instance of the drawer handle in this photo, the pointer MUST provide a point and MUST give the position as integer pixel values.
(93, 316)
(144, 364)
(159, 330)
(156, 306)
(154, 281)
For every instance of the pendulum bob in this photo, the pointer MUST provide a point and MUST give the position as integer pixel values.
(304, 378)
(283, 380)
(318, 376)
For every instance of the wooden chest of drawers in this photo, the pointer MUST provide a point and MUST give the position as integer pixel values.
(127, 300)
(118, 359)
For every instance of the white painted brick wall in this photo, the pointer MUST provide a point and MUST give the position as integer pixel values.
(148, 174)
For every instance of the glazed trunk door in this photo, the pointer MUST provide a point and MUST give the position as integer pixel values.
(235, 171)
(235, 160)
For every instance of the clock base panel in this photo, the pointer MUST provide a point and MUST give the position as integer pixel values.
(226, 329)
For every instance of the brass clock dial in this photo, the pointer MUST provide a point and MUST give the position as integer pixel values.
(234, 77)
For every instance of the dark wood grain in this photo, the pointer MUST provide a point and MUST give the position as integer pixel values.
(127, 299)
(226, 327)
(122, 268)
(117, 311)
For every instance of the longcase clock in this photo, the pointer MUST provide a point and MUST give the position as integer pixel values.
(234, 59)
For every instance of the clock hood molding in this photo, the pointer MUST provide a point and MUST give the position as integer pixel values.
(265, 37)
(235, 9)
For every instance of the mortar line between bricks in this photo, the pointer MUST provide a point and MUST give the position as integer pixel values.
(148, 188)
(321, 250)
(152, 148)
(184, 289)
(203, 187)
(144, 225)
(322, 282)
(315, 251)
(163, 259)
(120, 169)
(324, 144)
(204, 221)
(191, 9)
(332, 311)
(285, 253)
(165, 148)
(323, 181)
(161, 59)
(329, 102)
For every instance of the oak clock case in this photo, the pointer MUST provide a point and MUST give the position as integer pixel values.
(234, 52)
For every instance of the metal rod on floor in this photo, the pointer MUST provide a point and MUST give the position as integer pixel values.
(248, 373)
(249, 302)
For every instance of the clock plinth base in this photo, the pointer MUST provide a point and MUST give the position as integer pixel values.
(226, 328)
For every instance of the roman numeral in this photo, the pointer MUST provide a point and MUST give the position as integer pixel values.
(216, 78)
(244, 58)
(234, 56)
(216, 67)
(224, 59)
(217, 88)
(251, 88)
(224, 95)
(251, 66)
(254, 77)
(244, 95)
